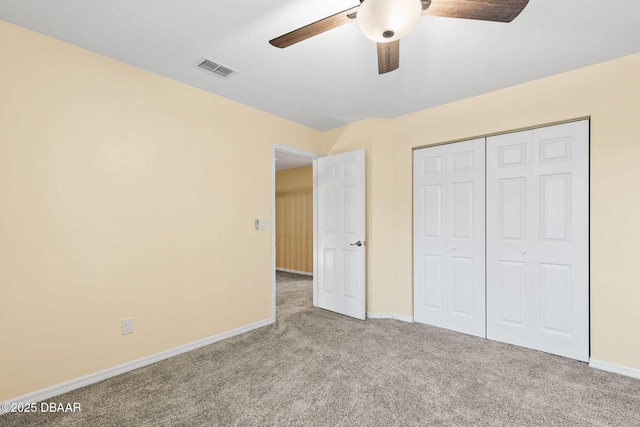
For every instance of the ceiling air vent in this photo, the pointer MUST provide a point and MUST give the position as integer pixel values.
(215, 67)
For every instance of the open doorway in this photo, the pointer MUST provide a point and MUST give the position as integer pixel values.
(293, 231)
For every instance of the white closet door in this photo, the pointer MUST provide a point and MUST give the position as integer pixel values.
(538, 239)
(449, 258)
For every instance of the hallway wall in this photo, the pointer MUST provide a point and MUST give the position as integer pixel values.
(294, 219)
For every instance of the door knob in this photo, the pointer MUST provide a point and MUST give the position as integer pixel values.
(453, 248)
(358, 243)
(523, 251)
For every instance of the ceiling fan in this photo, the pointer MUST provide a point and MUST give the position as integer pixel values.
(386, 21)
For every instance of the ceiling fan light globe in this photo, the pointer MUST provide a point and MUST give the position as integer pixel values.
(384, 21)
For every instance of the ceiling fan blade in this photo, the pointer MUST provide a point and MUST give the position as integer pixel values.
(484, 10)
(388, 56)
(315, 28)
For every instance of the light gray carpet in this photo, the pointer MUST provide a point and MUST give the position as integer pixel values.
(322, 369)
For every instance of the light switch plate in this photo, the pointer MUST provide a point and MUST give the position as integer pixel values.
(262, 224)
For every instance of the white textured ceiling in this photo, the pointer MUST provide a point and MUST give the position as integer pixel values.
(331, 79)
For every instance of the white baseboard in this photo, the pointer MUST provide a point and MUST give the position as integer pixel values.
(616, 369)
(288, 270)
(396, 316)
(58, 389)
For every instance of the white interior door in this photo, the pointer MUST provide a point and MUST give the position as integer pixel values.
(449, 232)
(538, 239)
(341, 252)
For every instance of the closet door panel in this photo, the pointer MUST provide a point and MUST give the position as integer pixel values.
(449, 236)
(537, 220)
(509, 227)
(561, 258)
(430, 273)
(466, 236)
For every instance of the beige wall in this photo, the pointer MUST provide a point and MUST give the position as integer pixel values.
(294, 219)
(116, 201)
(610, 94)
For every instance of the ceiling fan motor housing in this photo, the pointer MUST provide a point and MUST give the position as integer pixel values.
(388, 20)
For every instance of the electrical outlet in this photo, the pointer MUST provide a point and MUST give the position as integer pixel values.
(127, 326)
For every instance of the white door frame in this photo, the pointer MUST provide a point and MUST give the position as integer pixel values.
(311, 156)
